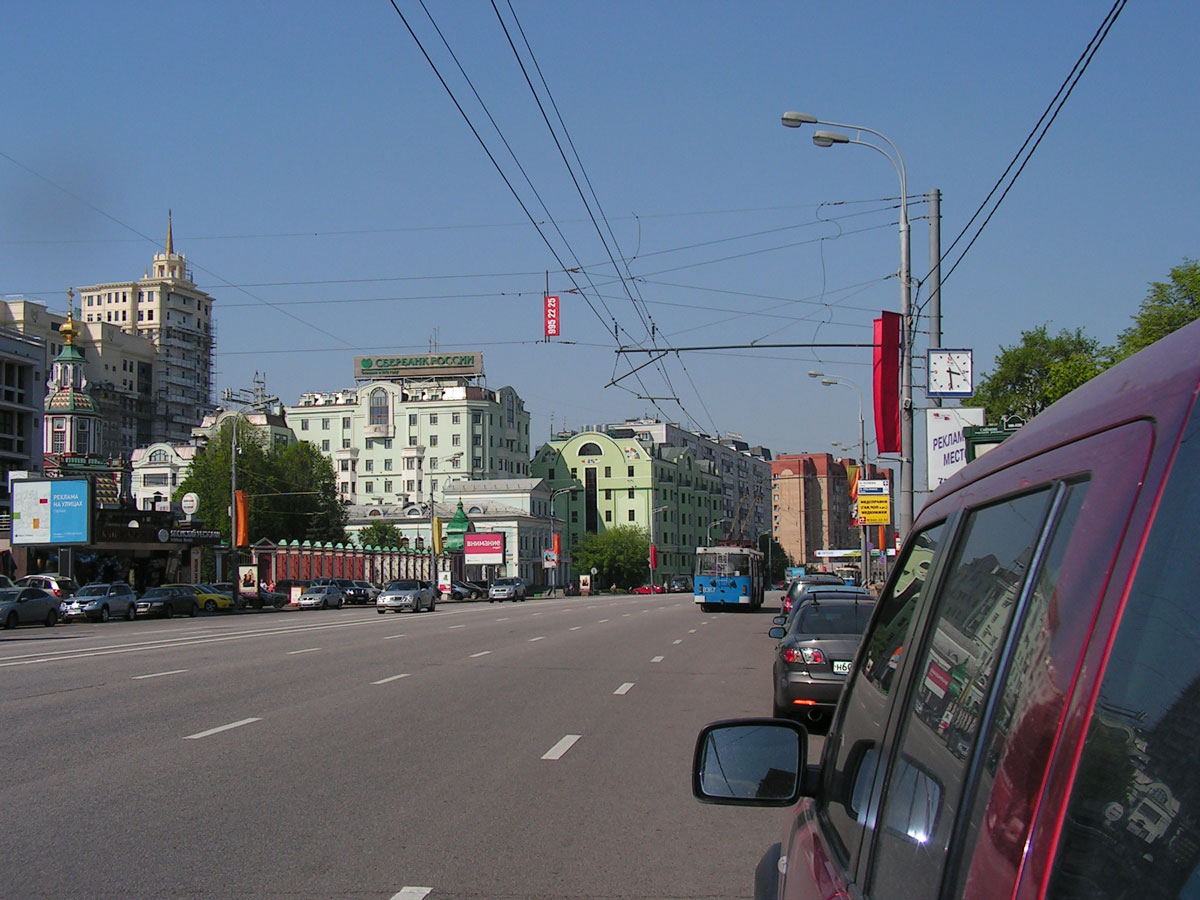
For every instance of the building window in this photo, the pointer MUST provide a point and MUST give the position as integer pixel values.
(304, 424)
(410, 485)
(476, 462)
(631, 493)
(433, 462)
(590, 449)
(379, 407)
(477, 440)
(387, 486)
(345, 443)
(412, 419)
(608, 515)
(608, 471)
(369, 465)
(433, 440)
(631, 516)
(387, 465)
(412, 440)
(455, 418)
(324, 424)
(455, 462)
(433, 418)
(433, 484)
(325, 446)
(345, 422)
(630, 472)
(476, 418)
(456, 440)
(368, 487)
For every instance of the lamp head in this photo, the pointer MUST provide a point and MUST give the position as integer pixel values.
(824, 138)
(813, 373)
(793, 119)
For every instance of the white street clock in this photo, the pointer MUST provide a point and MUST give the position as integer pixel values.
(948, 373)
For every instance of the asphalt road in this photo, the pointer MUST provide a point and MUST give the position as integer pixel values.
(519, 750)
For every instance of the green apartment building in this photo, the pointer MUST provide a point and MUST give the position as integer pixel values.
(663, 490)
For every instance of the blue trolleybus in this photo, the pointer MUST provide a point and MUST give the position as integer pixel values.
(728, 578)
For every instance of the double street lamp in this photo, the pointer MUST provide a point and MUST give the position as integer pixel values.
(824, 138)
(864, 559)
(708, 531)
(554, 496)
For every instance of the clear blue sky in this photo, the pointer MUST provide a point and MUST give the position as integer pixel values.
(328, 193)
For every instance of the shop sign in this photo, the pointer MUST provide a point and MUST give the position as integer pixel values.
(374, 368)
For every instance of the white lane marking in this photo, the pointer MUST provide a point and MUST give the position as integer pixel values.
(456, 626)
(159, 674)
(541, 638)
(623, 689)
(537, 614)
(392, 637)
(306, 650)
(502, 619)
(602, 621)
(677, 642)
(575, 628)
(626, 615)
(480, 653)
(691, 631)
(658, 659)
(412, 893)
(392, 678)
(220, 728)
(560, 749)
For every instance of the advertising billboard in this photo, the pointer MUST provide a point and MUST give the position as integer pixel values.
(946, 446)
(400, 365)
(874, 502)
(552, 316)
(51, 512)
(483, 548)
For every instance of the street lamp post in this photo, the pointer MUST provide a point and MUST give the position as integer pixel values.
(554, 496)
(247, 400)
(708, 531)
(651, 560)
(827, 139)
(864, 559)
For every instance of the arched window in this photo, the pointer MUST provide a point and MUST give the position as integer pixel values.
(590, 449)
(158, 456)
(379, 407)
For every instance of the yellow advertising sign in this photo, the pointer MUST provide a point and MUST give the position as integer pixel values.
(874, 509)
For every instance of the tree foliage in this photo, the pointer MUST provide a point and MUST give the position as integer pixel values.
(292, 490)
(1167, 307)
(1031, 375)
(620, 555)
(776, 561)
(379, 534)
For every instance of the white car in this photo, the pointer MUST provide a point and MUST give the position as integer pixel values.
(321, 596)
(506, 589)
(406, 594)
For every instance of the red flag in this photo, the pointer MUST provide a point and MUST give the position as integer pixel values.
(887, 382)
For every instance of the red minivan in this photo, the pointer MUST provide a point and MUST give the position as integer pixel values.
(1022, 717)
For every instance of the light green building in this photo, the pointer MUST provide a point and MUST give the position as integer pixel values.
(609, 481)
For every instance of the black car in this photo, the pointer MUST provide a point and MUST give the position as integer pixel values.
(815, 651)
(799, 585)
(354, 592)
(166, 602)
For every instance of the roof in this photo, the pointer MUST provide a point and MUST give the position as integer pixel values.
(492, 485)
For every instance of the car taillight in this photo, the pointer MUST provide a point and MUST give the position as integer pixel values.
(57, 593)
(807, 655)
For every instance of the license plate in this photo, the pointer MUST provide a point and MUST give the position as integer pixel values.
(841, 667)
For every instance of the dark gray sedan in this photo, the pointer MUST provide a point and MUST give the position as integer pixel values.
(28, 606)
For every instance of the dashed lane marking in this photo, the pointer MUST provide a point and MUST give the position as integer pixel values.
(657, 659)
(159, 674)
(574, 628)
(623, 689)
(539, 638)
(391, 678)
(305, 650)
(480, 653)
(677, 642)
(220, 728)
(412, 893)
(560, 749)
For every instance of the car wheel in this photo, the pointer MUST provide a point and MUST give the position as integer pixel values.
(11, 622)
(432, 603)
(210, 606)
(168, 611)
(104, 614)
(381, 611)
(51, 618)
(195, 609)
(130, 612)
(339, 606)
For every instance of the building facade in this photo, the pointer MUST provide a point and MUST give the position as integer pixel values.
(744, 471)
(22, 396)
(166, 309)
(400, 440)
(610, 480)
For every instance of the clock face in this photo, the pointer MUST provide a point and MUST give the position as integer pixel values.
(949, 373)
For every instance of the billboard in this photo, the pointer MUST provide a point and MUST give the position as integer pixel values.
(551, 316)
(55, 511)
(398, 365)
(483, 548)
(946, 447)
(874, 502)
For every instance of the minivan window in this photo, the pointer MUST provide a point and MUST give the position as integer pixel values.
(975, 603)
(850, 768)
(1133, 822)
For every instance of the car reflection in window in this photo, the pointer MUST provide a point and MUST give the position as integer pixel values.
(914, 795)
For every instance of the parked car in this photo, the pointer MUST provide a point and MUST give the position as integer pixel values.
(680, 584)
(284, 586)
(28, 606)
(208, 597)
(321, 596)
(798, 585)
(811, 592)
(648, 589)
(6, 582)
(815, 649)
(1020, 717)
(60, 586)
(100, 601)
(372, 591)
(167, 601)
(506, 589)
(462, 590)
(406, 594)
(355, 591)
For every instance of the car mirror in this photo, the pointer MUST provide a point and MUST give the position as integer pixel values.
(750, 762)
(778, 632)
(779, 620)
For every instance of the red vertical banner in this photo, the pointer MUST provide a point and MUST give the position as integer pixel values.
(243, 519)
(551, 315)
(653, 557)
(887, 382)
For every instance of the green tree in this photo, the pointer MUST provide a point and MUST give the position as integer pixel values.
(778, 560)
(308, 506)
(1031, 375)
(379, 534)
(620, 556)
(1167, 307)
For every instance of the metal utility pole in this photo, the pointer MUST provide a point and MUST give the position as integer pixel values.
(248, 400)
(935, 274)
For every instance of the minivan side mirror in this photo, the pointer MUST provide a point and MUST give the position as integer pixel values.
(777, 632)
(750, 762)
(779, 620)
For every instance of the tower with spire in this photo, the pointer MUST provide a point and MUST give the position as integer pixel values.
(72, 425)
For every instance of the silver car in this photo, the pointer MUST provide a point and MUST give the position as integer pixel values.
(408, 594)
(321, 596)
(100, 602)
(27, 606)
(506, 589)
